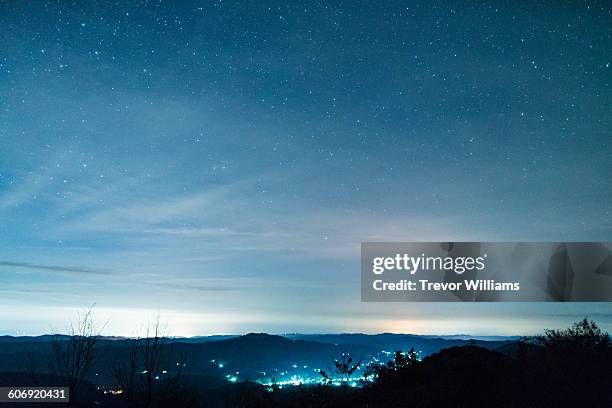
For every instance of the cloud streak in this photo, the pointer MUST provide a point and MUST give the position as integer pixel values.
(54, 268)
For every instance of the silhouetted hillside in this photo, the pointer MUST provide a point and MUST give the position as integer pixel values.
(251, 355)
(560, 368)
(390, 342)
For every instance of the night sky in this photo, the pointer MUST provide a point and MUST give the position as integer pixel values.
(219, 163)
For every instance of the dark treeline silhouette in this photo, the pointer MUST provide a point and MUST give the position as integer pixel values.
(560, 368)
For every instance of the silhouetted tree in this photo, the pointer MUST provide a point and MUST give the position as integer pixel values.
(573, 364)
(584, 334)
(342, 371)
(72, 356)
(401, 367)
(151, 356)
(404, 360)
(145, 374)
(125, 371)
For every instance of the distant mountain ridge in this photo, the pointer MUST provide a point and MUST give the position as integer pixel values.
(218, 337)
(214, 361)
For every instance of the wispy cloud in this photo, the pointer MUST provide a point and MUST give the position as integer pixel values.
(53, 268)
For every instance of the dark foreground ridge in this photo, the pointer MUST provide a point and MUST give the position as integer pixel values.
(560, 368)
